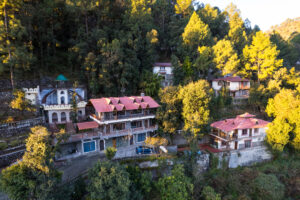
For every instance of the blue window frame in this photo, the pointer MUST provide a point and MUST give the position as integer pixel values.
(141, 137)
(89, 146)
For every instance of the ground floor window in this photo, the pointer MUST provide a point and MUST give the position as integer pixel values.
(247, 143)
(141, 137)
(89, 146)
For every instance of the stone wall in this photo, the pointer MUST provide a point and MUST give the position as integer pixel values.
(10, 158)
(244, 157)
(16, 128)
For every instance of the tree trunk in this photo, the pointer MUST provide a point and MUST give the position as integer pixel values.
(86, 24)
(9, 52)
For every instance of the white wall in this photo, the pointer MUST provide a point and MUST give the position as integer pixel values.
(234, 86)
(215, 85)
(156, 69)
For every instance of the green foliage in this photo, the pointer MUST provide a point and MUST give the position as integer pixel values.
(141, 183)
(195, 97)
(225, 57)
(260, 58)
(34, 177)
(3, 145)
(268, 187)
(109, 181)
(285, 108)
(110, 152)
(208, 193)
(20, 103)
(169, 112)
(176, 186)
(151, 84)
(196, 32)
(237, 34)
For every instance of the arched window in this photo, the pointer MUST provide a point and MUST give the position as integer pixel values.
(63, 117)
(54, 117)
(79, 113)
(62, 100)
(62, 92)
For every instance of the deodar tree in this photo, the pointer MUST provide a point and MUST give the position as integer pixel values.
(285, 129)
(225, 57)
(195, 110)
(260, 58)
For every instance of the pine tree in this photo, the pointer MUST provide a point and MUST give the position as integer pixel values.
(13, 50)
(182, 6)
(225, 57)
(260, 58)
(196, 33)
(237, 34)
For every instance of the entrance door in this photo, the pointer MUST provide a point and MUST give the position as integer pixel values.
(131, 140)
(107, 129)
(114, 142)
(235, 145)
(101, 145)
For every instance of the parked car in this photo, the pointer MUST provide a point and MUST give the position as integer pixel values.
(143, 150)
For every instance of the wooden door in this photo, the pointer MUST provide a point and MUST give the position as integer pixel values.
(114, 142)
(236, 145)
(131, 140)
(101, 145)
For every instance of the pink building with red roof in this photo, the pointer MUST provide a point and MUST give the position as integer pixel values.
(116, 121)
(244, 131)
(237, 87)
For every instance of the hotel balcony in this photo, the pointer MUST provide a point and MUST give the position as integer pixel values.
(119, 119)
(128, 132)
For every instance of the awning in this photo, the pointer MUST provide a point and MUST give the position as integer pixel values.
(87, 125)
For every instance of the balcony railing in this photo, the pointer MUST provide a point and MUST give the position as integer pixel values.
(130, 131)
(122, 119)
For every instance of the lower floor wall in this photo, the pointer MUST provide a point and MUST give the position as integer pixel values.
(97, 144)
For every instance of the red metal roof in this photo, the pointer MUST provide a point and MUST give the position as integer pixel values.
(243, 121)
(166, 64)
(87, 125)
(232, 79)
(110, 104)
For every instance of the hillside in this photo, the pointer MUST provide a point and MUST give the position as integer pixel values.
(287, 28)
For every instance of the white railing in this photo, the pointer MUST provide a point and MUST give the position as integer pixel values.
(81, 104)
(122, 120)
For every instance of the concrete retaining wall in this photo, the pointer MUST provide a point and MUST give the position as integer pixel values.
(10, 158)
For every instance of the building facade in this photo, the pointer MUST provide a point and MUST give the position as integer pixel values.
(244, 131)
(237, 87)
(56, 101)
(165, 70)
(116, 122)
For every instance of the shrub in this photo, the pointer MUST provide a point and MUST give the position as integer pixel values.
(3, 145)
(110, 152)
(268, 187)
(14, 143)
(208, 193)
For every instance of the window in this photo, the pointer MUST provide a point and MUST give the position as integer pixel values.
(118, 127)
(247, 143)
(223, 143)
(63, 117)
(141, 137)
(219, 83)
(62, 92)
(244, 84)
(121, 112)
(138, 111)
(256, 130)
(54, 117)
(62, 100)
(89, 146)
(136, 124)
(244, 132)
(162, 68)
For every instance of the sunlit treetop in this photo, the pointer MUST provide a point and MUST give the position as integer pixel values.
(182, 6)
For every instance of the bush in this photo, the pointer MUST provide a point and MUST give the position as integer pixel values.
(108, 181)
(14, 143)
(110, 152)
(208, 193)
(268, 187)
(3, 145)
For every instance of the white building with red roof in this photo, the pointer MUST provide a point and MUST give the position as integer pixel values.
(116, 122)
(244, 131)
(165, 70)
(237, 87)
